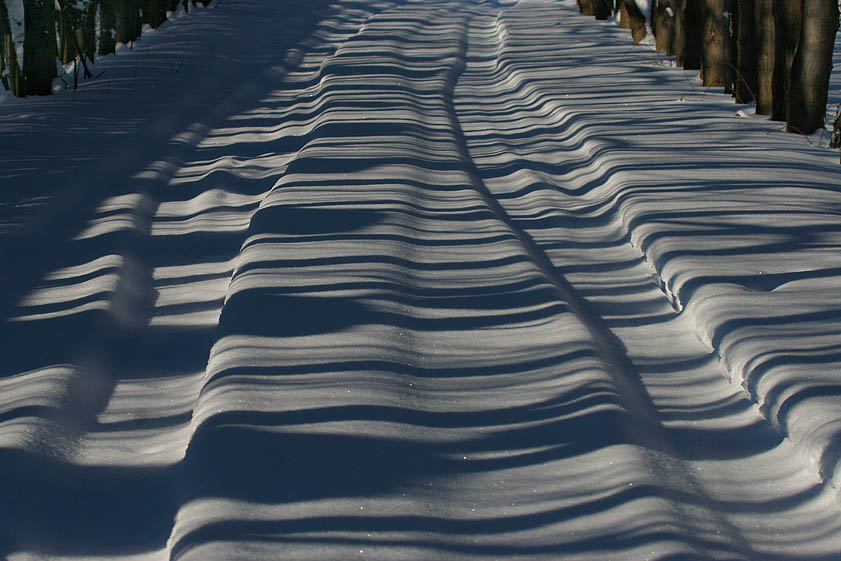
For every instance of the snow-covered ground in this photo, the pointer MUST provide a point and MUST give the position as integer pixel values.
(427, 279)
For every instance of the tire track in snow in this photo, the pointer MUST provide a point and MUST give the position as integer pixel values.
(370, 256)
(372, 340)
(645, 428)
(529, 207)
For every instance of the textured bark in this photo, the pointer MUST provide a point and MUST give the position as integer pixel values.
(8, 57)
(787, 26)
(692, 25)
(66, 48)
(715, 42)
(812, 66)
(663, 26)
(631, 18)
(81, 21)
(107, 26)
(154, 12)
(602, 9)
(586, 7)
(765, 52)
(732, 45)
(128, 20)
(39, 45)
(745, 79)
(678, 30)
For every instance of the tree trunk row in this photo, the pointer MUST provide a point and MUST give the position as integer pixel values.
(66, 30)
(776, 53)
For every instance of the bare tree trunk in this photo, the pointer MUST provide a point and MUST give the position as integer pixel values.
(787, 35)
(678, 30)
(688, 50)
(716, 39)
(602, 9)
(586, 7)
(13, 79)
(66, 48)
(87, 32)
(107, 26)
(745, 63)
(154, 12)
(732, 45)
(40, 50)
(128, 20)
(77, 18)
(812, 66)
(765, 51)
(662, 23)
(631, 18)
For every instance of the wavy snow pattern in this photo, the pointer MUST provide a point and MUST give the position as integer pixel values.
(420, 288)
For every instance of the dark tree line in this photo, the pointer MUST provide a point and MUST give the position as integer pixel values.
(777, 53)
(66, 30)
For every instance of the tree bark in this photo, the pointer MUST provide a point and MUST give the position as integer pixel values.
(632, 18)
(79, 18)
(40, 50)
(812, 66)
(8, 57)
(765, 52)
(745, 79)
(662, 23)
(107, 26)
(678, 30)
(128, 20)
(787, 35)
(602, 9)
(586, 7)
(692, 25)
(66, 48)
(715, 42)
(154, 12)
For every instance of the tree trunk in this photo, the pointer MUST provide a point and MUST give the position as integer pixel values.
(812, 66)
(77, 17)
(107, 26)
(662, 23)
(678, 30)
(586, 7)
(9, 66)
(732, 45)
(745, 86)
(602, 9)
(765, 51)
(66, 48)
(39, 45)
(716, 39)
(128, 21)
(787, 35)
(87, 29)
(631, 18)
(154, 12)
(692, 24)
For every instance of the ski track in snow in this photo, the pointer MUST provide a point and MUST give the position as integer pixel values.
(413, 280)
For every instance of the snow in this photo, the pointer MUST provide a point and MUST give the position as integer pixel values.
(424, 279)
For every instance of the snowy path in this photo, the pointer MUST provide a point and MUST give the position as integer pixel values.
(420, 280)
